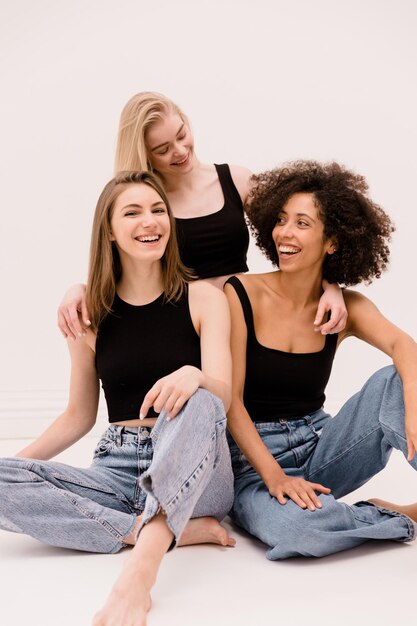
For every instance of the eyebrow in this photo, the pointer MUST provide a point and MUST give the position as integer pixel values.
(299, 215)
(167, 142)
(135, 205)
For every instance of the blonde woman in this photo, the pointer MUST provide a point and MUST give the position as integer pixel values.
(159, 345)
(207, 202)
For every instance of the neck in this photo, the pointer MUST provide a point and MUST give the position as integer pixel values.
(140, 283)
(174, 182)
(301, 288)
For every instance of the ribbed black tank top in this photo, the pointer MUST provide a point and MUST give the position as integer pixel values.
(282, 385)
(137, 345)
(216, 244)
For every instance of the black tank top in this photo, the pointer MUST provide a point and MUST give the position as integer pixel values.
(137, 345)
(282, 385)
(216, 244)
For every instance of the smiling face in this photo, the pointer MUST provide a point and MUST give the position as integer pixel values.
(299, 235)
(140, 224)
(170, 146)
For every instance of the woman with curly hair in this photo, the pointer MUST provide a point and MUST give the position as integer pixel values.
(207, 201)
(291, 460)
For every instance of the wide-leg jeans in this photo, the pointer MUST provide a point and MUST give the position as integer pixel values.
(341, 453)
(181, 467)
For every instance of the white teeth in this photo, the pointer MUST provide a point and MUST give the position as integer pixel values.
(181, 162)
(288, 249)
(149, 238)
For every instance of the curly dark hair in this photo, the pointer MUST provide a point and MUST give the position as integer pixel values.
(360, 227)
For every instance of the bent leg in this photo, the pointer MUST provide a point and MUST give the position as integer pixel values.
(190, 474)
(63, 506)
(290, 531)
(356, 444)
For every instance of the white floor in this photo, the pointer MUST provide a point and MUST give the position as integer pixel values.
(207, 585)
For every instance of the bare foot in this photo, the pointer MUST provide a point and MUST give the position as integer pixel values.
(198, 530)
(205, 530)
(123, 607)
(406, 509)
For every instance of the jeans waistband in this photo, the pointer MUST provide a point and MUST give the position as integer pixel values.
(128, 434)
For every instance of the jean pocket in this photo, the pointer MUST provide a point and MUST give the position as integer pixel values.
(103, 448)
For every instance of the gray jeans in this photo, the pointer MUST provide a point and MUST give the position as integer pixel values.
(181, 466)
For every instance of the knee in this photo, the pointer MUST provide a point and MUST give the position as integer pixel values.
(206, 404)
(387, 375)
(303, 532)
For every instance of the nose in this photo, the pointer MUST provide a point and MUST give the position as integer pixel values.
(286, 230)
(179, 149)
(148, 219)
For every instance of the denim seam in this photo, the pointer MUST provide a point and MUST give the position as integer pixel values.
(87, 485)
(341, 454)
(408, 520)
(394, 432)
(191, 476)
(104, 523)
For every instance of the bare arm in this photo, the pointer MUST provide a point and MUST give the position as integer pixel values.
(73, 317)
(367, 323)
(243, 429)
(210, 315)
(80, 415)
(241, 177)
(332, 302)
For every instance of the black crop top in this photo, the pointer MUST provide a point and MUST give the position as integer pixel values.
(137, 345)
(282, 385)
(216, 244)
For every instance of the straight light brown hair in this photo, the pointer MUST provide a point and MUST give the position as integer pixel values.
(105, 269)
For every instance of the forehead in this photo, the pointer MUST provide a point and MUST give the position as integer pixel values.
(164, 129)
(301, 203)
(137, 193)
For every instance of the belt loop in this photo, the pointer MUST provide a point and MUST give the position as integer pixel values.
(119, 436)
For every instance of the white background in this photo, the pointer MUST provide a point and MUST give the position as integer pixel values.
(262, 82)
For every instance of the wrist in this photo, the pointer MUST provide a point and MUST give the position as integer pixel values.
(273, 476)
(200, 376)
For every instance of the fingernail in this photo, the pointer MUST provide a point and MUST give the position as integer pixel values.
(141, 417)
(88, 322)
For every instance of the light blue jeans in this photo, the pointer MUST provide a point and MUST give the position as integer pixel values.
(182, 466)
(341, 453)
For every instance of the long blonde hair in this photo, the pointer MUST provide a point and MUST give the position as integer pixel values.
(138, 115)
(105, 268)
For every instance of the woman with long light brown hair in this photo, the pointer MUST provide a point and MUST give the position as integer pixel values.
(159, 344)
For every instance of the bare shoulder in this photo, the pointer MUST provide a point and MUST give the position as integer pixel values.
(204, 293)
(361, 311)
(355, 300)
(253, 284)
(83, 347)
(83, 360)
(241, 178)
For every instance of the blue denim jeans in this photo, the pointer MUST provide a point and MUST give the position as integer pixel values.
(181, 466)
(341, 453)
